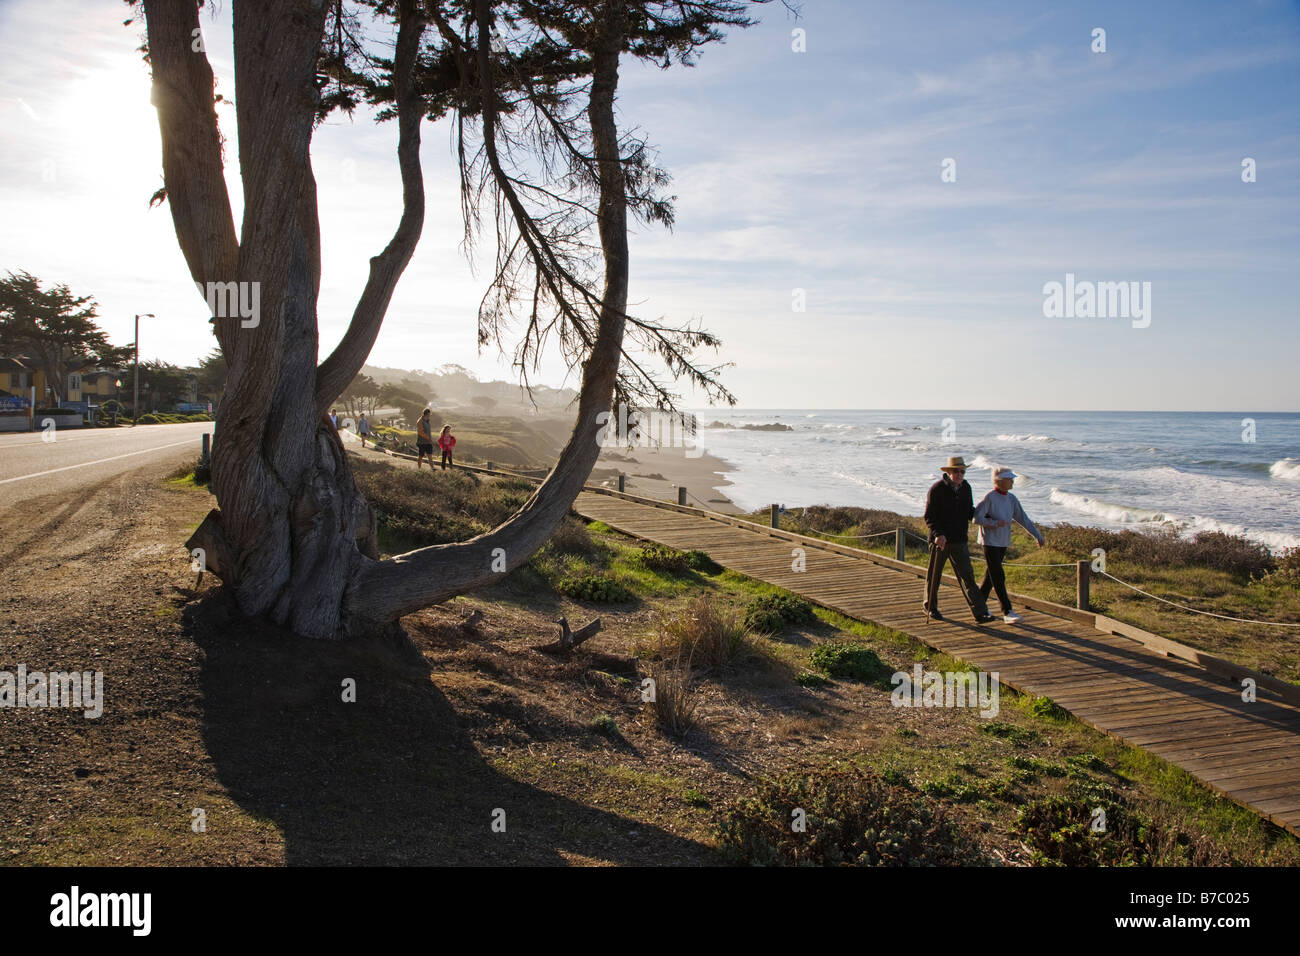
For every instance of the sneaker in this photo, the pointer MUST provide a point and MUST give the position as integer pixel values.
(984, 618)
(1011, 618)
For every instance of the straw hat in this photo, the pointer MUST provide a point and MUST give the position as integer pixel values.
(955, 461)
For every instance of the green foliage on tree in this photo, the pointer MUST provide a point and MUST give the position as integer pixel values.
(211, 374)
(55, 328)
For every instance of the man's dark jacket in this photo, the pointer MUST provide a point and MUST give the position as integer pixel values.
(948, 510)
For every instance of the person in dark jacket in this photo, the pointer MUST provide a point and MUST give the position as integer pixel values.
(949, 508)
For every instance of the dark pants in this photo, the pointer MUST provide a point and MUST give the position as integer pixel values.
(446, 459)
(994, 576)
(959, 553)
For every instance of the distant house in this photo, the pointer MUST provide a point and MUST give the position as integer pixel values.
(96, 386)
(15, 375)
(86, 387)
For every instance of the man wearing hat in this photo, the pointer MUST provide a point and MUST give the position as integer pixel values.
(948, 509)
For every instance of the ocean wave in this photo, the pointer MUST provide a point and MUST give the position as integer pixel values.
(1186, 525)
(1275, 541)
(1108, 510)
(881, 487)
(1286, 468)
(890, 431)
(979, 461)
(1026, 438)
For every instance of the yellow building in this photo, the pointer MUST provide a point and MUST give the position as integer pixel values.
(92, 386)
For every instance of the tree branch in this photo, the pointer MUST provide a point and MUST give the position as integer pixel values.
(384, 591)
(183, 86)
(343, 364)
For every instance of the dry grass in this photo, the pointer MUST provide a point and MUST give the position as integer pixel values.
(709, 634)
(674, 700)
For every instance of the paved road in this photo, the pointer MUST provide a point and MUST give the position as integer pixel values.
(30, 466)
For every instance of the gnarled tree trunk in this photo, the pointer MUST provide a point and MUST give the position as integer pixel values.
(293, 538)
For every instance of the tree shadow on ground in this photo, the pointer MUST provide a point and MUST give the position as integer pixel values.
(389, 779)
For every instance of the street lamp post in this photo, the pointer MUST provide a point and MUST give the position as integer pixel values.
(135, 402)
(117, 400)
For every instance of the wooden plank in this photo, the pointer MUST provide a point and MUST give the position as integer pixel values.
(1288, 692)
(1139, 687)
(1284, 751)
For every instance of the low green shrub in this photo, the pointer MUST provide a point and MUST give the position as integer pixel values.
(605, 725)
(1095, 824)
(850, 660)
(701, 562)
(1033, 766)
(1047, 708)
(852, 817)
(597, 588)
(764, 620)
(660, 558)
(695, 798)
(770, 613)
(1018, 736)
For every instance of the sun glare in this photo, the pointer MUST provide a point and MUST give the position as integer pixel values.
(106, 125)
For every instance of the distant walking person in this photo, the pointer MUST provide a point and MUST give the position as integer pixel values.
(363, 429)
(994, 516)
(334, 417)
(424, 439)
(948, 509)
(446, 441)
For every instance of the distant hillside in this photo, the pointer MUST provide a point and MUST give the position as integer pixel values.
(454, 386)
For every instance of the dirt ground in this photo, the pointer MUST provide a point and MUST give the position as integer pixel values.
(227, 742)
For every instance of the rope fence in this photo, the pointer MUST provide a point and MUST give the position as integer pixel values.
(1078, 565)
(684, 492)
(1184, 607)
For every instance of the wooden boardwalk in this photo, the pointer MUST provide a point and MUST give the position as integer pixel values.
(1191, 717)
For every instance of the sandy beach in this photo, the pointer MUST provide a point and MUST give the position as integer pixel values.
(658, 472)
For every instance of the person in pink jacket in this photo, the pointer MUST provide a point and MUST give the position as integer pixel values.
(446, 441)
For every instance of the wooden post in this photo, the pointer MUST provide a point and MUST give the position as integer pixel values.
(620, 481)
(776, 516)
(681, 494)
(207, 448)
(1083, 579)
(900, 545)
(489, 466)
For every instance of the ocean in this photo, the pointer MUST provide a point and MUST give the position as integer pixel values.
(1238, 473)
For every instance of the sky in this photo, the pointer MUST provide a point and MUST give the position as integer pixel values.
(868, 213)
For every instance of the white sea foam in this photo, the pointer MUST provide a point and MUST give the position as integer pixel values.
(1275, 541)
(1286, 468)
(1184, 524)
(889, 431)
(1026, 438)
(883, 488)
(1108, 510)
